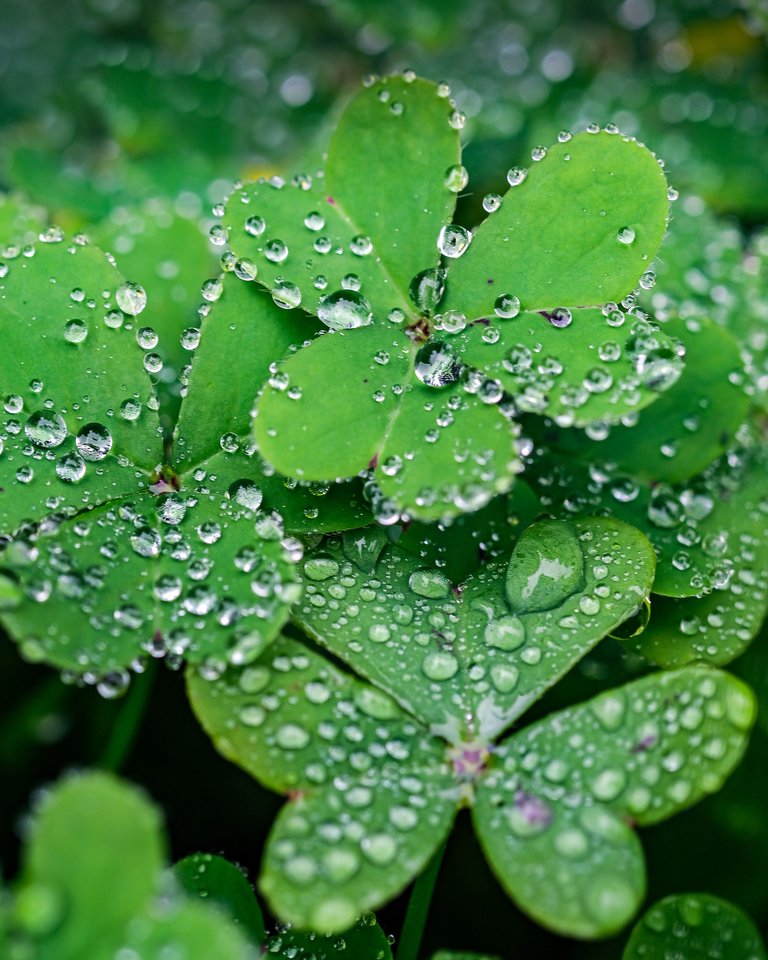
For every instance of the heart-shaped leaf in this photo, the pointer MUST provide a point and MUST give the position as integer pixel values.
(470, 660)
(577, 229)
(696, 926)
(92, 881)
(552, 812)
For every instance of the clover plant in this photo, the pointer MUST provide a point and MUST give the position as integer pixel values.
(414, 471)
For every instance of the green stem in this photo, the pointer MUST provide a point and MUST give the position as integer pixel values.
(128, 722)
(418, 907)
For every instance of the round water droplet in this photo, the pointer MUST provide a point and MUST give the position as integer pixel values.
(93, 441)
(426, 289)
(516, 175)
(286, 295)
(75, 331)
(626, 235)
(70, 468)
(344, 310)
(379, 848)
(255, 226)
(246, 493)
(45, 429)
(131, 298)
(430, 583)
(560, 317)
(456, 178)
(491, 202)
(360, 245)
(506, 306)
(505, 633)
(439, 665)
(276, 251)
(453, 240)
(436, 366)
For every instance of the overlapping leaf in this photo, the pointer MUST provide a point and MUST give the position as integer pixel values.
(426, 413)
(112, 553)
(700, 925)
(375, 772)
(92, 881)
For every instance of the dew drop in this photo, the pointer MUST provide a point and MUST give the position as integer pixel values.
(131, 298)
(93, 441)
(344, 310)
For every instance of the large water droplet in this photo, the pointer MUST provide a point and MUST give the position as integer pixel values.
(436, 366)
(45, 429)
(344, 310)
(546, 567)
(453, 240)
(93, 441)
(131, 298)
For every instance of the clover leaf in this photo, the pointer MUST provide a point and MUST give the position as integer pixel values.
(389, 386)
(217, 881)
(376, 771)
(696, 926)
(93, 883)
(117, 548)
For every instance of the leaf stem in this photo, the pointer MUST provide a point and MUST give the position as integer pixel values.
(418, 907)
(128, 722)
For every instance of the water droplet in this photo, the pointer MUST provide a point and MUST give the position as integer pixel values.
(291, 737)
(46, 430)
(286, 295)
(93, 441)
(246, 493)
(505, 633)
(453, 240)
(560, 317)
(626, 235)
(491, 202)
(70, 468)
(276, 251)
(506, 306)
(427, 288)
(255, 226)
(516, 175)
(439, 665)
(430, 583)
(436, 366)
(344, 310)
(360, 245)
(75, 331)
(545, 568)
(379, 848)
(131, 298)
(456, 178)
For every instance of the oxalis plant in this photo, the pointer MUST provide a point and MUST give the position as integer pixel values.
(419, 472)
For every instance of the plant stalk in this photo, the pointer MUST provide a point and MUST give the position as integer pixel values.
(128, 722)
(418, 908)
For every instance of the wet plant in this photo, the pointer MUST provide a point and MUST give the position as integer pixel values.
(415, 473)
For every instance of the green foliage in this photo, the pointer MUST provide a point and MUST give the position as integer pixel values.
(376, 772)
(93, 883)
(363, 356)
(696, 926)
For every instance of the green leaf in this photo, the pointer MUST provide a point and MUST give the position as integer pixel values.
(705, 531)
(590, 371)
(374, 215)
(218, 881)
(577, 871)
(388, 166)
(696, 926)
(182, 928)
(560, 792)
(555, 239)
(81, 426)
(242, 334)
(452, 955)
(372, 793)
(464, 660)
(689, 425)
(324, 415)
(207, 579)
(446, 452)
(279, 719)
(459, 546)
(91, 864)
(365, 941)
(170, 254)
